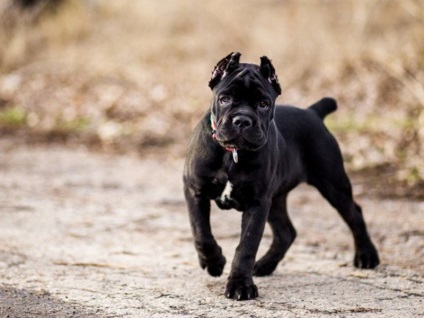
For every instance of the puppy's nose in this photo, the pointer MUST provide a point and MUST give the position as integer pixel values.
(242, 121)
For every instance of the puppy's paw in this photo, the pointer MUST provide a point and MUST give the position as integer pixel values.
(366, 258)
(214, 266)
(241, 290)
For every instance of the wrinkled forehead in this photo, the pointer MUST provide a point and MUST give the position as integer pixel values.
(246, 81)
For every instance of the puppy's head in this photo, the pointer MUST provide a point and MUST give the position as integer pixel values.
(243, 103)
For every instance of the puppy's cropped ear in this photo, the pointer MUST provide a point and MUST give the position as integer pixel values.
(224, 67)
(268, 71)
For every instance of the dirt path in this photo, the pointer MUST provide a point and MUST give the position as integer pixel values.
(93, 235)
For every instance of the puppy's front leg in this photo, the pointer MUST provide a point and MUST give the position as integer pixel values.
(209, 252)
(240, 284)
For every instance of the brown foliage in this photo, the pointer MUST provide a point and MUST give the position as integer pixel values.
(133, 74)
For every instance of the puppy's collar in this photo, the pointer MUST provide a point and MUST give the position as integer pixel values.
(232, 150)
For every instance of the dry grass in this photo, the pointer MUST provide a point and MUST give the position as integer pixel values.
(133, 74)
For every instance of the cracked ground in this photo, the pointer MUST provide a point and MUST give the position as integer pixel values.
(87, 234)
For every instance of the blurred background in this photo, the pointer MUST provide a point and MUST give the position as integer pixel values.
(131, 75)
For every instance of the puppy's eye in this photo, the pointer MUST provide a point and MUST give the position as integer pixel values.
(224, 100)
(264, 104)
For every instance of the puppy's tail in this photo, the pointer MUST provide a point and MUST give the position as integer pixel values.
(324, 107)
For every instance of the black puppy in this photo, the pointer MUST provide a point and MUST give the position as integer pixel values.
(247, 154)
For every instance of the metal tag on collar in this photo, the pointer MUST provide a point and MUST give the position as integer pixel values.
(235, 155)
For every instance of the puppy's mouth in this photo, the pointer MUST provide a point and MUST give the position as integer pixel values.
(230, 145)
(239, 142)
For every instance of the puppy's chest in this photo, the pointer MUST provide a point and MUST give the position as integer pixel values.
(232, 194)
(226, 192)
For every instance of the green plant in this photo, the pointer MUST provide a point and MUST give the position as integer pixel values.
(13, 117)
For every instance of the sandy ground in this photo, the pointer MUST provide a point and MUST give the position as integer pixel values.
(85, 234)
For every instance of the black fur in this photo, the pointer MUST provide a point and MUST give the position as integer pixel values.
(278, 147)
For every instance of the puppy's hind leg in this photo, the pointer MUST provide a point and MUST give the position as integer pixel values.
(330, 178)
(283, 236)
